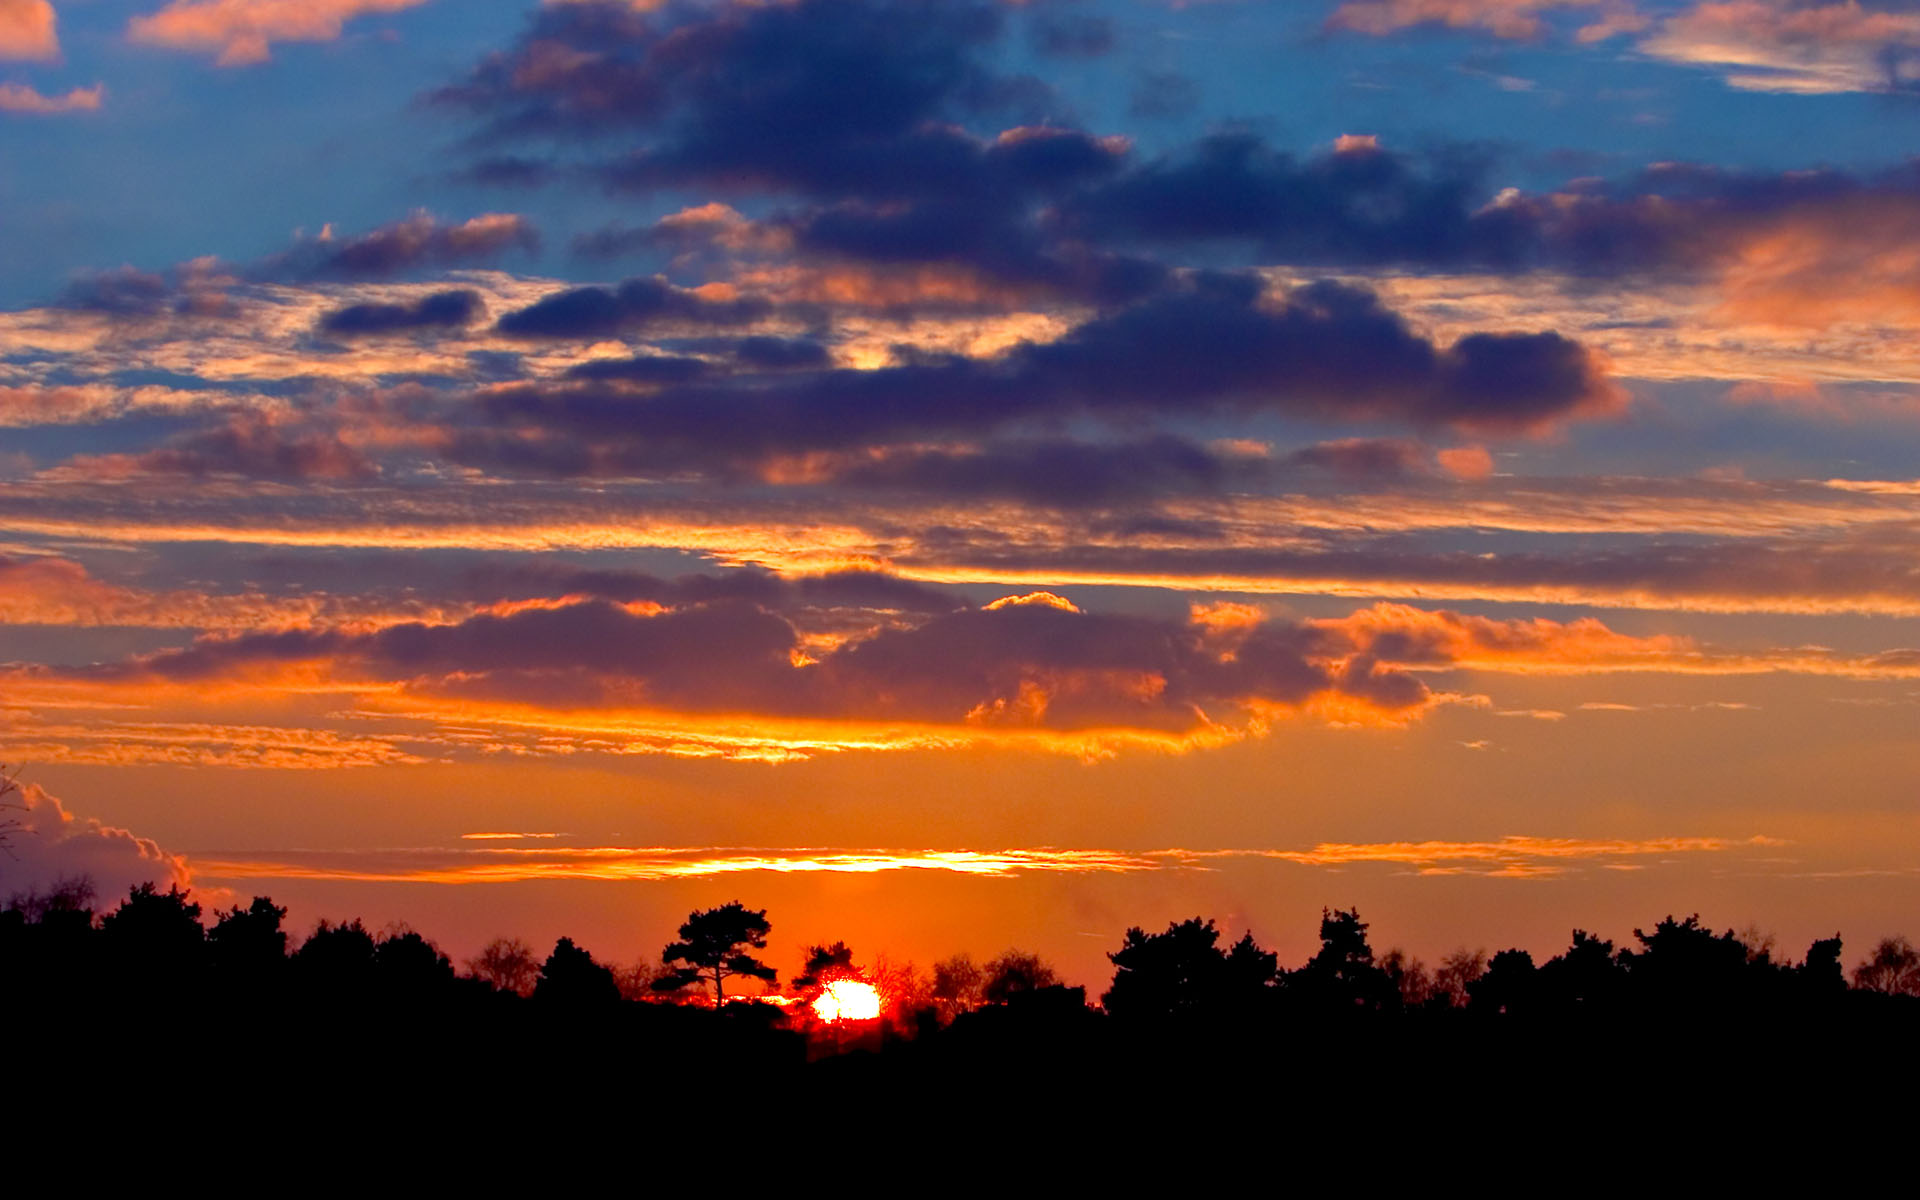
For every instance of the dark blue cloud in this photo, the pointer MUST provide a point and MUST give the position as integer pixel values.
(1214, 345)
(647, 368)
(781, 354)
(1060, 473)
(820, 97)
(636, 304)
(441, 311)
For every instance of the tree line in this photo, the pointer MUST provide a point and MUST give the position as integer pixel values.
(1180, 974)
(155, 978)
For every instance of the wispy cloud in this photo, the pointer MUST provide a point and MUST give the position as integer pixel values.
(20, 98)
(242, 32)
(1509, 857)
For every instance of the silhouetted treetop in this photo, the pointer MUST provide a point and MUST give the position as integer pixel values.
(1342, 976)
(712, 949)
(1182, 973)
(156, 928)
(508, 964)
(10, 825)
(1893, 969)
(1015, 973)
(956, 988)
(250, 938)
(409, 963)
(571, 979)
(1509, 986)
(824, 963)
(1588, 973)
(337, 957)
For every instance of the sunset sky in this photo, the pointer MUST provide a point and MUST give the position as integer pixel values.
(962, 474)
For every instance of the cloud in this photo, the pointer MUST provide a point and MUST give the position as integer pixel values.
(1216, 346)
(832, 664)
(58, 591)
(19, 98)
(455, 309)
(1514, 19)
(1794, 46)
(1514, 856)
(245, 444)
(1821, 573)
(27, 30)
(865, 591)
(1798, 46)
(98, 736)
(635, 305)
(420, 241)
(1057, 473)
(1373, 207)
(1015, 667)
(242, 32)
(823, 97)
(53, 845)
(1508, 857)
(21, 407)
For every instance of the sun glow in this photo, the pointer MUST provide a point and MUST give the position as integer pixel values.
(847, 1000)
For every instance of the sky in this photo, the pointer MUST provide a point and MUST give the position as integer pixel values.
(967, 474)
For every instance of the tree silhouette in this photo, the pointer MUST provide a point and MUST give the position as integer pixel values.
(1893, 968)
(1588, 975)
(1820, 975)
(712, 948)
(68, 894)
(410, 965)
(956, 986)
(1510, 985)
(249, 940)
(156, 930)
(570, 978)
(636, 980)
(508, 964)
(1183, 973)
(1684, 962)
(1410, 978)
(1342, 976)
(824, 964)
(9, 826)
(1013, 974)
(336, 959)
(1456, 974)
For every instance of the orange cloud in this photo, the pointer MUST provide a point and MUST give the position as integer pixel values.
(19, 98)
(22, 407)
(1465, 462)
(57, 591)
(1513, 19)
(1801, 46)
(27, 30)
(116, 743)
(1851, 260)
(727, 680)
(241, 32)
(1415, 639)
(1509, 857)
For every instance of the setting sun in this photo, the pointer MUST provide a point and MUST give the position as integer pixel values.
(847, 1000)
